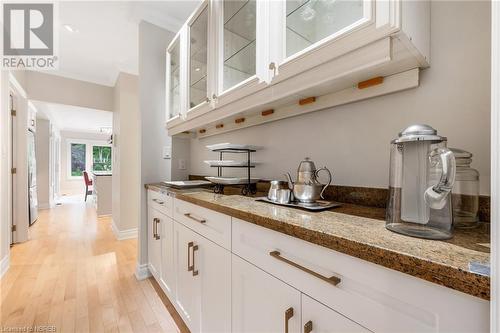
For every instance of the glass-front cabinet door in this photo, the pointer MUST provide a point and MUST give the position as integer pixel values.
(174, 79)
(239, 46)
(303, 27)
(197, 55)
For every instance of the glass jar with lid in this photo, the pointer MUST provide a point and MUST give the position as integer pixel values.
(465, 192)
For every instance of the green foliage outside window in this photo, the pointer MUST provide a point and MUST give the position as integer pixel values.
(77, 159)
(101, 158)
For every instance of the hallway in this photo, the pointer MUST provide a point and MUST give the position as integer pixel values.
(74, 275)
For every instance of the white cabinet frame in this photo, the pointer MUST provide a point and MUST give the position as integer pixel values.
(168, 112)
(378, 20)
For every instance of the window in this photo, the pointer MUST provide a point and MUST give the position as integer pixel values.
(101, 158)
(78, 159)
(88, 155)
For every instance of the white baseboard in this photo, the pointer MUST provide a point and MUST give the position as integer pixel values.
(142, 272)
(123, 234)
(4, 265)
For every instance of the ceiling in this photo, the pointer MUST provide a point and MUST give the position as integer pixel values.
(74, 118)
(104, 40)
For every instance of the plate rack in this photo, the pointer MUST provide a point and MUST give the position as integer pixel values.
(248, 187)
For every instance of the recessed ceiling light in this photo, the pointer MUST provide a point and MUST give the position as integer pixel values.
(70, 28)
(197, 69)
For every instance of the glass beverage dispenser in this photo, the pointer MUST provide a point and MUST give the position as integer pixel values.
(422, 174)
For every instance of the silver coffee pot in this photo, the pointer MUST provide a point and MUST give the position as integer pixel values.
(307, 188)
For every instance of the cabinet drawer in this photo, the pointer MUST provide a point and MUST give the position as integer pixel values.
(377, 298)
(212, 225)
(163, 202)
(322, 319)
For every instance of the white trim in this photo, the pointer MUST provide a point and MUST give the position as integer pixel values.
(4, 265)
(17, 86)
(393, 83)
(495, 166)
(123, 234)
(142, 272)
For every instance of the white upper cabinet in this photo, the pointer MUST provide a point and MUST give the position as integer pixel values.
(241, 57)
(239, 48)
(174, 79)
(301, 27)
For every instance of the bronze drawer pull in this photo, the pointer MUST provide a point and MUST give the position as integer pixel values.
(155, 227)
(188, 215)
(195, 271)
(190, 267)
(331, 280)
(158, 201)
(288, 315)
(308, 327)
(157, 235)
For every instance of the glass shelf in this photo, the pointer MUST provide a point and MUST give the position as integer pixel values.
(239, 41)
(309, 21)
(198, 59)
(174, 97)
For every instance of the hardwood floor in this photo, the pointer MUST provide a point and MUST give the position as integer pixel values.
(75, 276)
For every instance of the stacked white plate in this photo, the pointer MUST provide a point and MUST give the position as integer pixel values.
(233, 146)
(228, 163)
(231, 180)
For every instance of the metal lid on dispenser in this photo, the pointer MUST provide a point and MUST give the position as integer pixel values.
(419, 132)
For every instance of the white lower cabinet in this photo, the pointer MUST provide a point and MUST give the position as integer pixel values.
(318, 318)
(260, 280)
(154, 242)
(203, 277)
(167, 255)
(262, 303)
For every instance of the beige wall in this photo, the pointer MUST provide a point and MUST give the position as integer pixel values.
(126, 156)
(42, 154)
(153, 42)
(57, 89)
(353, 140)
(75, 186)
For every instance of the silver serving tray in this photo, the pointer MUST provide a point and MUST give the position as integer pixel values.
(187, 184)
(317, 206)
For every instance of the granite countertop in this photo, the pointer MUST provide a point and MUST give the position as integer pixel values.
(360, 231)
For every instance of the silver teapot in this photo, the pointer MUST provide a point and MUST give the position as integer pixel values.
(307, 188)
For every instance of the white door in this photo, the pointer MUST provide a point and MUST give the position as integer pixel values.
(262, 303)
(154, 242)
(188, 281)
(318, 318)
(167, 254)
(213, 264)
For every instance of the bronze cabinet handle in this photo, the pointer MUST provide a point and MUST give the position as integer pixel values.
(288, 315)
(195, 271)
(308, 327)
(157, 235)
(333, 280)
(190, 267)
(188, 215)
(158, 201)
(154, 227)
